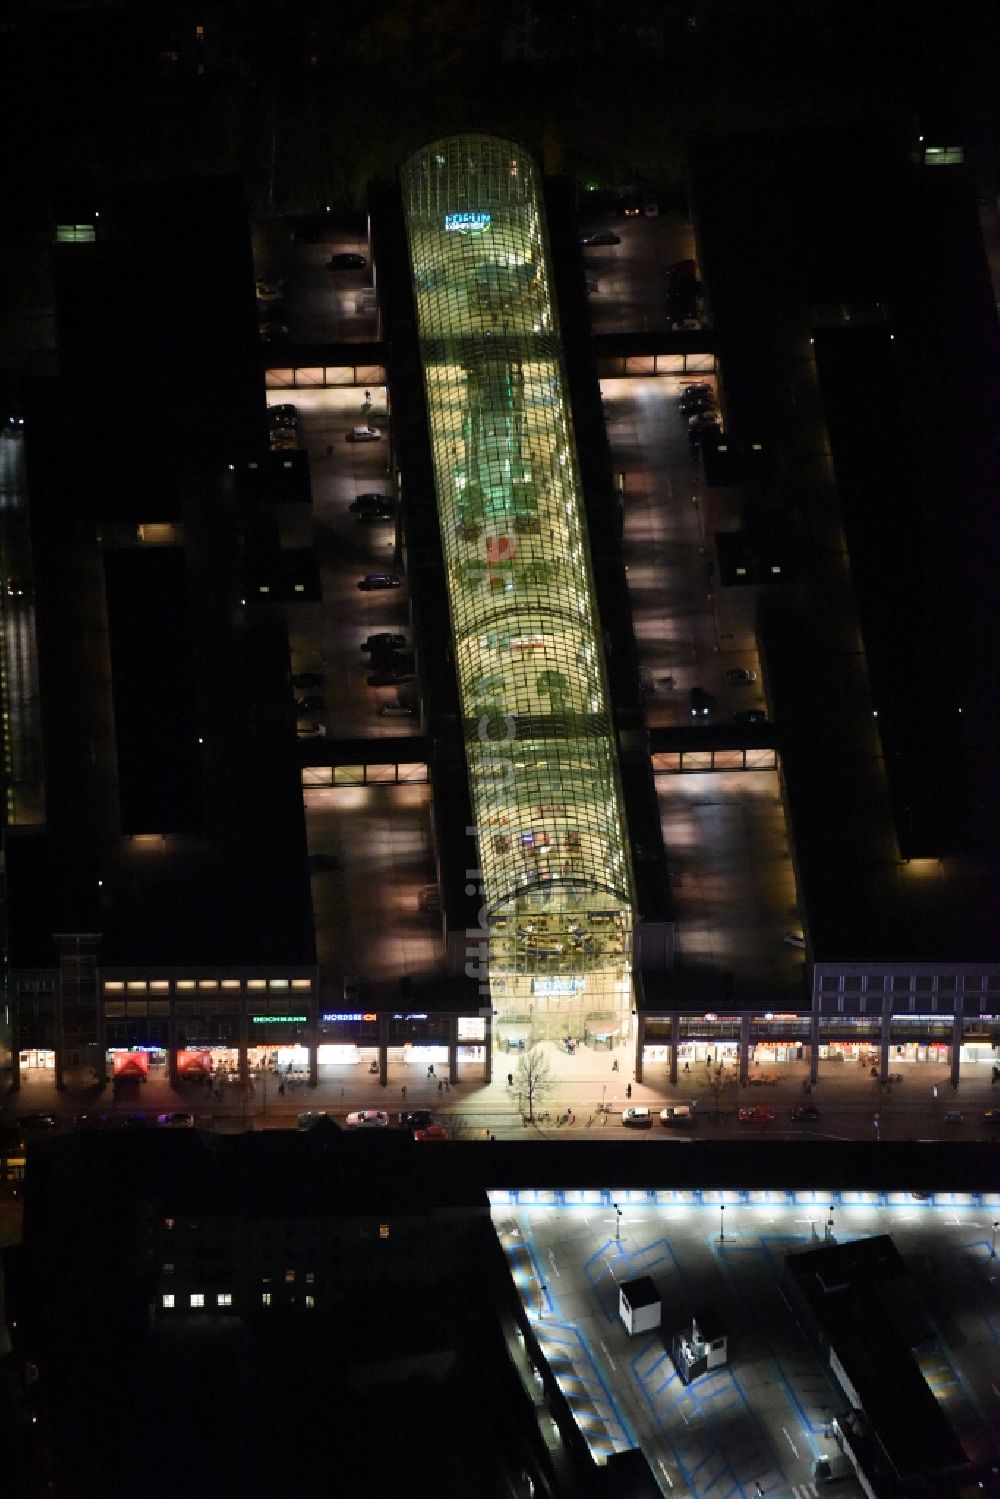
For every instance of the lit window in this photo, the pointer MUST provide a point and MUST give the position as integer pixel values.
(289, 1277)
(168, 1269)
(168, 1222)
(301, 983)
(113, 986)
(230, 983)
(310, 1301)
(279, 983)
(184, 984)
(265, 1298)
(225, 1298)
(197, 1299)
(256, 983)
(168, 1300)
(199, 32)
(383, 1230)
(310, 1278)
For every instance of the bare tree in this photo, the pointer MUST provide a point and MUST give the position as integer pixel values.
(719, 1083)
(533, 1080)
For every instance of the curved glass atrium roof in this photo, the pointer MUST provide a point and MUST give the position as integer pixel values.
(541, 756)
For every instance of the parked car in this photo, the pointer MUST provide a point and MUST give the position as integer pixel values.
(757, 1113)
(397, 710)
(283, 415)
(310, 705)
(38, 1121)
(636, 1118)
(750, 715)
(707, 418)
(385, 640)
(271, 330)
(271, 290)
(380, 580)
(686, 325)
(310, 1117)
(806, 1113)
(700, 703)
(136, 1121)
(992, 1117)
(415, 1118)
(699, 400)
(366, 433)
(179, 1119)
(794, 939)
(346, 260)
(740, 675)
(954, 1116)
(375, 517)
(650, 207)
(308, 679)
(600, 237)
(311, 730)
(367, 1119)
(432, 1132)
(631, 208)
(371, 501)
(677, 1114)
(696, 388)
(390, 677)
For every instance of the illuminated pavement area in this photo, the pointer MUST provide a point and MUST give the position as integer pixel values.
(760, 1419)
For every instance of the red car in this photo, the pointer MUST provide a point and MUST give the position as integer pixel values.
(757, 1113)
(432, 1132)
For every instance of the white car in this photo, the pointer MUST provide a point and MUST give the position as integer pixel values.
(637, 1118)
(365, 434)
(794, 939)
(678, 1113)
(367, 1119)
(311, 730)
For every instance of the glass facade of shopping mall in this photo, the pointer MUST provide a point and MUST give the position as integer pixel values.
(553, 851)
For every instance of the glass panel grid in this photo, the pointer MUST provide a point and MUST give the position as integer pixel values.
(543, 771)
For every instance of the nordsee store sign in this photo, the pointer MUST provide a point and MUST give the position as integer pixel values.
(467, 223)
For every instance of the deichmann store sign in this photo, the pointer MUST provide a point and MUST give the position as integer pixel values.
(279, 1019)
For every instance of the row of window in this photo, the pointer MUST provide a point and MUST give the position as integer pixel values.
(906, 983)
(205, 986)
(196, 1300)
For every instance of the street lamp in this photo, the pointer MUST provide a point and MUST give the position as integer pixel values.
(541, 1300)
(618, 1222)
(993, 1251)
(722, 1222)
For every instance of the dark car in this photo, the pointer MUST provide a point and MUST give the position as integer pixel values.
(389, 677)
(700, 702)
(806, 1113)
(38, 1121)
(346, 260)
(696, 388)
(371, 501)
(601, 237)
(740, 675)
(375, 517)
(283, 415)
(308, 679)
(415, 1118)
(701, 400)
(270, 331)
(310, 705)
(137, 1121)
(631, 208)
(93, 1121)
(750, 715)
(385, 641)
(380, 580)
(682, 272)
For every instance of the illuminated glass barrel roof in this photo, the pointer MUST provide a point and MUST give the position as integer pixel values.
(540, 751)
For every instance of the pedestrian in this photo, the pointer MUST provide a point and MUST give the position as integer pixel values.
(447, 1086)
(614, 1065)
(402, 1091)
(281, 1090)
(510, 1079)
(628, 1090)
(440, 1087)
(687, 1066)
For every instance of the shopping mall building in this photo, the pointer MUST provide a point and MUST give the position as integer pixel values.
(181, 949)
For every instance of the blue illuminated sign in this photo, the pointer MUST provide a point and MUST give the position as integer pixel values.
(557, 986)
(467, 223)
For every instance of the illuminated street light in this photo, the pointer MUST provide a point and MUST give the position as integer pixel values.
(722, 1222)
(993, 1250)
(618, 1222)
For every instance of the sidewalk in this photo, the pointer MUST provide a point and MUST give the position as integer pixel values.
(582, 1083)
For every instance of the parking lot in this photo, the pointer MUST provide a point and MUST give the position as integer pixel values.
(757, 1424)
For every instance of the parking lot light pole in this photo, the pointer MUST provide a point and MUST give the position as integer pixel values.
(541, 1300)
(618, 1222)
(722, 1222)
(993, 1249)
